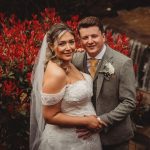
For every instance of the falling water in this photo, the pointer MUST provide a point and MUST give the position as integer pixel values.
(140, 54)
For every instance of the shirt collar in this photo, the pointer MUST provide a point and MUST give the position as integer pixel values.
(100, 55)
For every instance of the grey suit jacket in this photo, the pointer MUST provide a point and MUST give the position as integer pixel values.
(114, 99)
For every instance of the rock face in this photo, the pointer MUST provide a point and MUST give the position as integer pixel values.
(135, 23)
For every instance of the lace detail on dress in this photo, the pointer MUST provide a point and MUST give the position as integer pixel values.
(51, 99)
(79, 91)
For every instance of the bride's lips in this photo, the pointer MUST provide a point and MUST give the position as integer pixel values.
(68, 54)
(92, 46)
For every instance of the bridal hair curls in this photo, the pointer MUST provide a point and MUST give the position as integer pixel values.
(55, 32)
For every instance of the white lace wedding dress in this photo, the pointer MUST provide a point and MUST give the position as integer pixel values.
(76, 102)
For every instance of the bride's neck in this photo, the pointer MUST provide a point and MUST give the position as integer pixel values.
(66, 66)
(66, 63)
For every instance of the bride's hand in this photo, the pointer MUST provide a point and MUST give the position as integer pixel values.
(92, 122)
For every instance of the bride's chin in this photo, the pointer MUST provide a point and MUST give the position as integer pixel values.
(67, 60)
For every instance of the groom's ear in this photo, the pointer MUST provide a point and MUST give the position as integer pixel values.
(103, 34)
(78, 36)
(104, 37)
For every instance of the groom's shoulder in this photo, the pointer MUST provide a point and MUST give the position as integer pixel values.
(78, 59)
(118, 56)
(78, 56)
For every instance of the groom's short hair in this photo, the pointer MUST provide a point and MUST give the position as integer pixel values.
(89, 22)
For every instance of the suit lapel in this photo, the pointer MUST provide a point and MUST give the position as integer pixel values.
(85, 68)
(99, 75)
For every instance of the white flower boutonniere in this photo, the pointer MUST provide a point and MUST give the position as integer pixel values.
(108, 70)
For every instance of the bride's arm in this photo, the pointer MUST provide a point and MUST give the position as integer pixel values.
(53, 115)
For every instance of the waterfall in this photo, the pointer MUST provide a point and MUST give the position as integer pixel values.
(140, 53)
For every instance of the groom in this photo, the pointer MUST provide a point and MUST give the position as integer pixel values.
(113, 84)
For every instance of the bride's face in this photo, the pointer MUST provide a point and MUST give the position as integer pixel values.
(64, 46)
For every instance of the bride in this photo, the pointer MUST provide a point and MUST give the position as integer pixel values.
(61, 97)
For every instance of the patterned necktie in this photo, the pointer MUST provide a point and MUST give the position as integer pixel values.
(92, 66)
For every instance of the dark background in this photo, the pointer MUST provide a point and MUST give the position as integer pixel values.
(65, 8)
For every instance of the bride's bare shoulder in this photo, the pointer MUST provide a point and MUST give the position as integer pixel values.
(55, 69)
(54, 77)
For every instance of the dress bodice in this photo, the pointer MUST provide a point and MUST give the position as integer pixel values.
(76, 97)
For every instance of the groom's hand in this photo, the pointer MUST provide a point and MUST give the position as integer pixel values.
(102, 122)
(85, 133)
(79, 50)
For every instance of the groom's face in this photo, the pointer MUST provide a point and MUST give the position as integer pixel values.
(92, 40)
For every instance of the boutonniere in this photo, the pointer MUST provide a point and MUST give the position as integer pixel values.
(108, 70)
